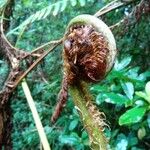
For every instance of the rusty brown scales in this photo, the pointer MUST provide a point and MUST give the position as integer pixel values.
(85, 58)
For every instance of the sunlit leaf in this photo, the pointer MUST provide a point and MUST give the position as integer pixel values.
(82, 2)
(128, 88)
(2, 3)
(141, 133)
(133, 115)
(99, 88)
(85, 138)
(143, 76)
(56, 9)
(72, 139)
(73, 2)
(73, 124)
(122, 142)
(99, 99)
(147, 89)
(133, 72)
(143, 95)
(115, 98)
(43, 13)
(63, 6)
(124, 63)
(27, 3)
(47, 12)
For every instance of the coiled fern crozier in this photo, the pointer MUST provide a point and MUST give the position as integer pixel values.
(89, 54)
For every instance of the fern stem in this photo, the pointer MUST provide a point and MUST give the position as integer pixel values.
(36, 117)
(97, 138)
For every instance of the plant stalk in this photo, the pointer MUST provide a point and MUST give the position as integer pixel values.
(97, 138)
(36, 117)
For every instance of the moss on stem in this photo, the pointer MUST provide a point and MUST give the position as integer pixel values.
(81, 97)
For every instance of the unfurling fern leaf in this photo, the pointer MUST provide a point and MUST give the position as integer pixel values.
(53, 9)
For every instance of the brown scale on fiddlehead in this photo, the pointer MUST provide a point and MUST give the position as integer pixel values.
(62, 97)
(88, 55)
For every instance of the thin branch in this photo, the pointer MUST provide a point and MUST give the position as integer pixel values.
(112, 6)
(36, 63)
(44, 46)
(36, 117)
(142, 8)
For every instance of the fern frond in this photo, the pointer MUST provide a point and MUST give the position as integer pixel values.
(3, 3)
(53, 9)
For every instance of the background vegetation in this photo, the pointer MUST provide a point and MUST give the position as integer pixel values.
(124, 95)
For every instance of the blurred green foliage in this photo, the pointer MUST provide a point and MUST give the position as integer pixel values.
(124, 95)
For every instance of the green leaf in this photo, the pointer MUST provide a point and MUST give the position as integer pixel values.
(56, 9)
(133, 115)
(141, 133)
(115, 98)
(132, 140)
(147, 89)
(122, 142)
(99, 99)
(73, 2)
(84, 137)
(148, 120)
(133, 73)
(128, 89)
(2, 3)
(143, 76)
(43, 13)
(63, 6)
(47, 11)
(90, 1)
(27, 3)
(99, 88)
(82, 2)
(143, 95)
(73, 124)
(124, 63)
(72, 139)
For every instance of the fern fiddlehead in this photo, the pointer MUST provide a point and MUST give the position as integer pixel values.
(89, 54)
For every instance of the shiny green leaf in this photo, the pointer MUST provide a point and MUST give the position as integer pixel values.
(72, 139)
(73, 124)
(128, 89)
(82, 2)
(147, 89)
(115, 98)
(124, 63)
(133, 115)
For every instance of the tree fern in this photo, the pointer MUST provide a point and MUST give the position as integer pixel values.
(52, 9)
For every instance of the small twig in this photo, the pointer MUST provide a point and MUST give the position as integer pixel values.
(142, 8)
(36, 117)
(44, 46)
(112, 6)
(35, 64)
